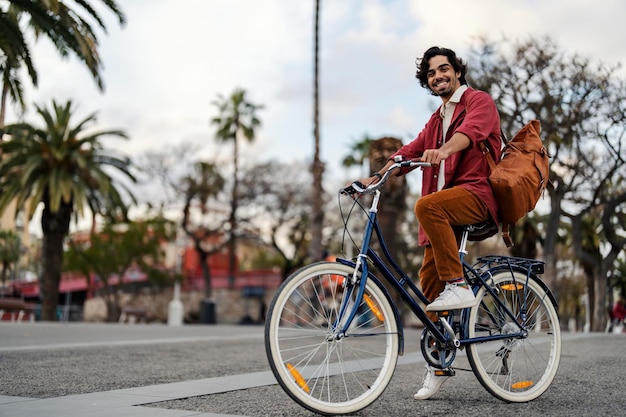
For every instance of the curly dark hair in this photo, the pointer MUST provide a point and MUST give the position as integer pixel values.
(423, 67)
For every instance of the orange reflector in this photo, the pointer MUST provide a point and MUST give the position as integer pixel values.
(522, 385)
(373, 307)
(298, 377)
(512, 287)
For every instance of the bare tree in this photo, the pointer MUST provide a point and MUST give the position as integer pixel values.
(198, 190)
(581, 108)
(205, 229)
(277, 212)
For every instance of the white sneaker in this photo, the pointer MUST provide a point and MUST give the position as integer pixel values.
(431, 384)
(453, 297)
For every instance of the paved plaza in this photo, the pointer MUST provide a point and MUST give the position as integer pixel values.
(80, 369)
(91, 343)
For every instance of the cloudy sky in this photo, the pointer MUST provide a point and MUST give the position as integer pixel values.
(172, 59)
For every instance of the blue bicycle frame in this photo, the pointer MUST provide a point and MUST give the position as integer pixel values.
(404, 286)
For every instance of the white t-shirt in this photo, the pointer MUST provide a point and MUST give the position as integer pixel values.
(446, 111)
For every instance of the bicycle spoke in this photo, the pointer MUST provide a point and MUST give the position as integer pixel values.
(321, 367)
(521, 367)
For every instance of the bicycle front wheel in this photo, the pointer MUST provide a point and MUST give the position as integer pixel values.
(520, 368)
(320, 367)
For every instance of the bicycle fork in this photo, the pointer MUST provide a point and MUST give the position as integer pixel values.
(350, 302)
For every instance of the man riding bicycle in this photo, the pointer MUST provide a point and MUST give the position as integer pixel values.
(455, 190)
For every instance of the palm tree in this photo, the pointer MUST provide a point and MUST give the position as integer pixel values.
(358, 154)
(15, 53)
(67, 28)
(61, 166)
(317, 168)
(237, 117)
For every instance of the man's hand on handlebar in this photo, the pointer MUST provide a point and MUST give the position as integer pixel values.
(434, 156)
(354, 188)
(372, 179)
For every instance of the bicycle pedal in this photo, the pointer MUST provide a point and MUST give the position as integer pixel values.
(448, 313)
(445, 372)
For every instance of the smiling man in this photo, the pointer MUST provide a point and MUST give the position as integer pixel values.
(455, 190)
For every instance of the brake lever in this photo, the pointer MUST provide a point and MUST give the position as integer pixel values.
(355, 187)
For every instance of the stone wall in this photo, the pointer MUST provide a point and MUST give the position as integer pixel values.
(231, 306)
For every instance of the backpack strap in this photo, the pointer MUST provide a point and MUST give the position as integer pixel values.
(487, 153)
(506, 235)
(506, 228)
(485, 149)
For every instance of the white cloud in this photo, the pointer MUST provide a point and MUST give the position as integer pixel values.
(171, 60)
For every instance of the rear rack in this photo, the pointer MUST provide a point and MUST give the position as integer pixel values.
(535, 266)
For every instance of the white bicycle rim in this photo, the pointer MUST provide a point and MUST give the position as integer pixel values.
(515, 369)
(322, 372)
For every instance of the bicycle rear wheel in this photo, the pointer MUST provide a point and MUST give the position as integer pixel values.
(321, 369)
(517, 369)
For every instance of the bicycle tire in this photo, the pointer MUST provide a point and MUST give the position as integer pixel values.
(516, 369)
(322, 372)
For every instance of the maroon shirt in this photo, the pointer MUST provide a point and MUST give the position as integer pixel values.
(476, 116)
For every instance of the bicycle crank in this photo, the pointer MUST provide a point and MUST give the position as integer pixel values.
(433, 351)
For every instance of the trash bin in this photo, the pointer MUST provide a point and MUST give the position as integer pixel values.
(207, 312)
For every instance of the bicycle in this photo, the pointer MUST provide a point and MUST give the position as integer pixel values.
(338, 359)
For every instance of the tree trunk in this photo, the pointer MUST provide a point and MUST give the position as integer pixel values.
(526, 240)
(107, 293)
(232, 243)
(603, 298)
(591, 296)
(5, 269)
(113, 308)
(316, 249)
(551, 239)
(612, 227)
(54, 227)
(598, 319)
(206, 271)
(52, 265)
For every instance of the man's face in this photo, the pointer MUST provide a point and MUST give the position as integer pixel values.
(442, 79)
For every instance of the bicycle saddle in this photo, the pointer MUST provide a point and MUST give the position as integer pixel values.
(480, 231)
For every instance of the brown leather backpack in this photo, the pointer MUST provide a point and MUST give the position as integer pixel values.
(520, 177)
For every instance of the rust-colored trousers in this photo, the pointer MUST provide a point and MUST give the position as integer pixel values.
(437, 213)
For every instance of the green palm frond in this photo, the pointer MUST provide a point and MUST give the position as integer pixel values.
(67, 26)
(59, 165)
(359, 152)
(236, 115)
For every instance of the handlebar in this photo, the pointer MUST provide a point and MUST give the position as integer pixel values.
(359, 188)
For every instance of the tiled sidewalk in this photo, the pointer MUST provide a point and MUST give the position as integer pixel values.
(128, 402)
